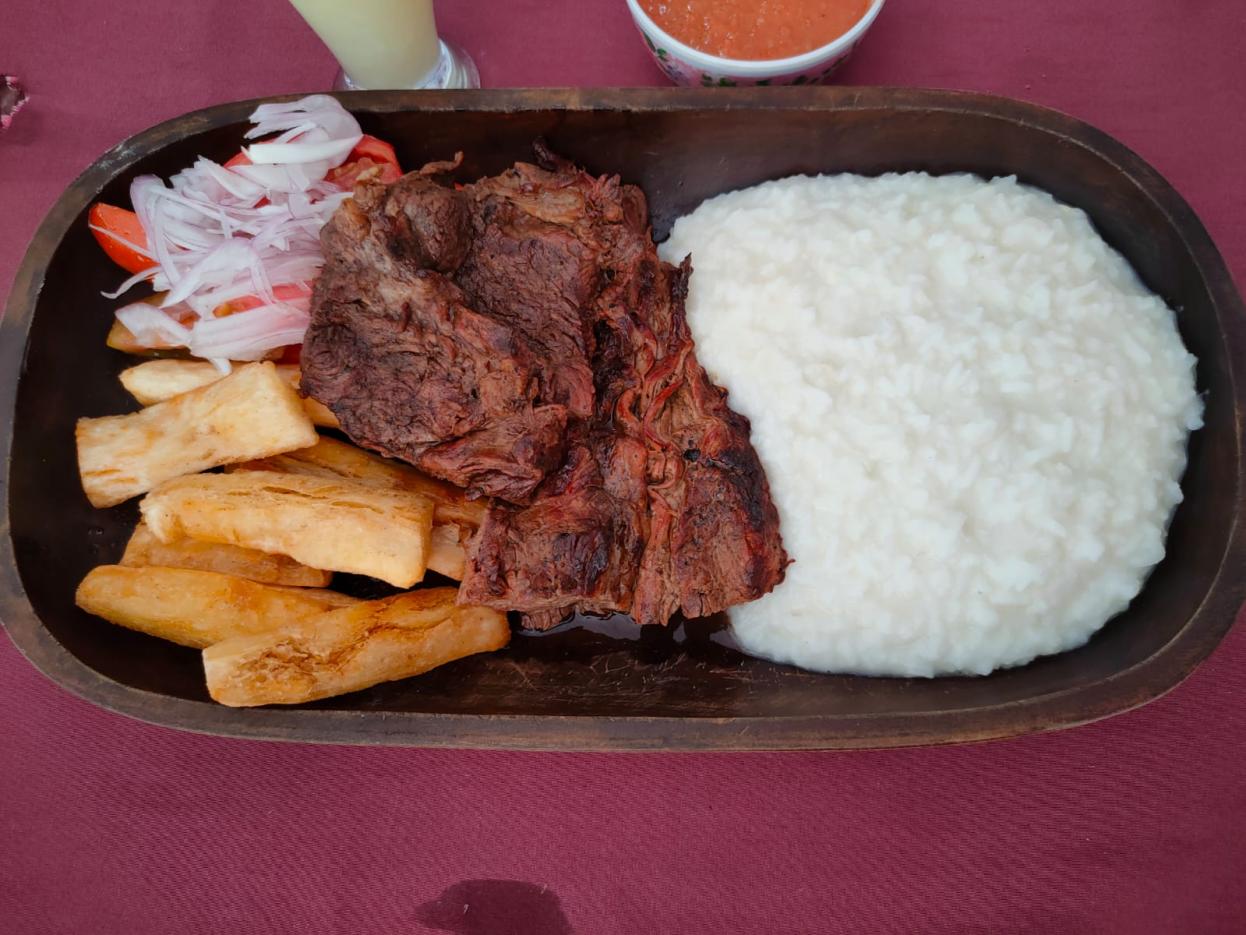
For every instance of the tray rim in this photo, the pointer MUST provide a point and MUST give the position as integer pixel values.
(1130, 688)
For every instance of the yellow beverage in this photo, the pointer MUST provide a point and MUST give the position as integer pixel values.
(379, 43)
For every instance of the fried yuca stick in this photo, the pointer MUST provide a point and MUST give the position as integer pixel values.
(158, 380)
(145, 549)
(446, 554)
(349, 649)
(453, 513)
(331, 524)
(332, 458)
(196, 608)
(252, 413)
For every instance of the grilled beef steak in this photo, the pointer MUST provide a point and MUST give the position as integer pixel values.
(410, 369)
(520, 337)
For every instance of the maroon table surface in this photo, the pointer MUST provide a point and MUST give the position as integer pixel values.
(1136, 824)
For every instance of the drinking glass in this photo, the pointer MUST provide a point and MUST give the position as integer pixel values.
(388, 44)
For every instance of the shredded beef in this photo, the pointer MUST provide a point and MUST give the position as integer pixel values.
(520, 337)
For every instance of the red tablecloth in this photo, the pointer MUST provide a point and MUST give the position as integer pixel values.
(1133, 825)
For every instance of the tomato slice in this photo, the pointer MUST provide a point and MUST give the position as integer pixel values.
(375, 149)
(287, 292)
(122, 237)
(349, 174)
(371, 158)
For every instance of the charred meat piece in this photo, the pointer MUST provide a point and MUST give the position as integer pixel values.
(538, 278)
(414, 373)
(676, 464)
(713, 530)
(415, 223)
(577, 546)
(623, 481)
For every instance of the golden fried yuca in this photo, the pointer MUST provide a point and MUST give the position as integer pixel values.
(332, 458)
(325, 596)
(145, 549)
(446, 554)
(325, 523)
(158, 380)
(252, 413)
(453, 514)
(317, 411)
(349, 649)
(196, 608)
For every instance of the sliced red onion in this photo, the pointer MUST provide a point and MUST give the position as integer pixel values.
(251, 334)
(218, 267)
(247, 192)
(153, 326)
(318, 135)
(307, 149)
(320, 110)
(216, 234)
(133, 281)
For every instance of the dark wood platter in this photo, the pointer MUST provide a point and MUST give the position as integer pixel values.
(612, 686)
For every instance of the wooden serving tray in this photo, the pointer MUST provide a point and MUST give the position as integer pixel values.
(657, 689)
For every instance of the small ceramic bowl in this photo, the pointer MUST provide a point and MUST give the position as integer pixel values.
(688, 66)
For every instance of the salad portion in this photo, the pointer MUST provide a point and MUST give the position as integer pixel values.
(231, 249)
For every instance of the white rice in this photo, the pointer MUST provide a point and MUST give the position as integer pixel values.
(972, 414)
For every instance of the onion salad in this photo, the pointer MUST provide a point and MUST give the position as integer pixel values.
(235, 248)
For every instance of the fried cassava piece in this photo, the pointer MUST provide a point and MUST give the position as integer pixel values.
(157, 380)
(350, 649)
(196, 608)
(324, 523)
(335, 459)
(446, 553)
(454, 516)
(252, 413)
(266, 568)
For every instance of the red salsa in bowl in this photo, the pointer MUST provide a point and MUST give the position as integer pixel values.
(756, 30)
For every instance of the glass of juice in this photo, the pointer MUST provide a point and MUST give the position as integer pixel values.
(388, 44)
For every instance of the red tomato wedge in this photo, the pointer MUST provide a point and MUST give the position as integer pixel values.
(287, 292)
(370, 159)
(375, 149)
(123, 239)
(120, 234)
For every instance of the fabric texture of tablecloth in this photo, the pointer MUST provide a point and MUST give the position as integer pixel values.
(1132, 825)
